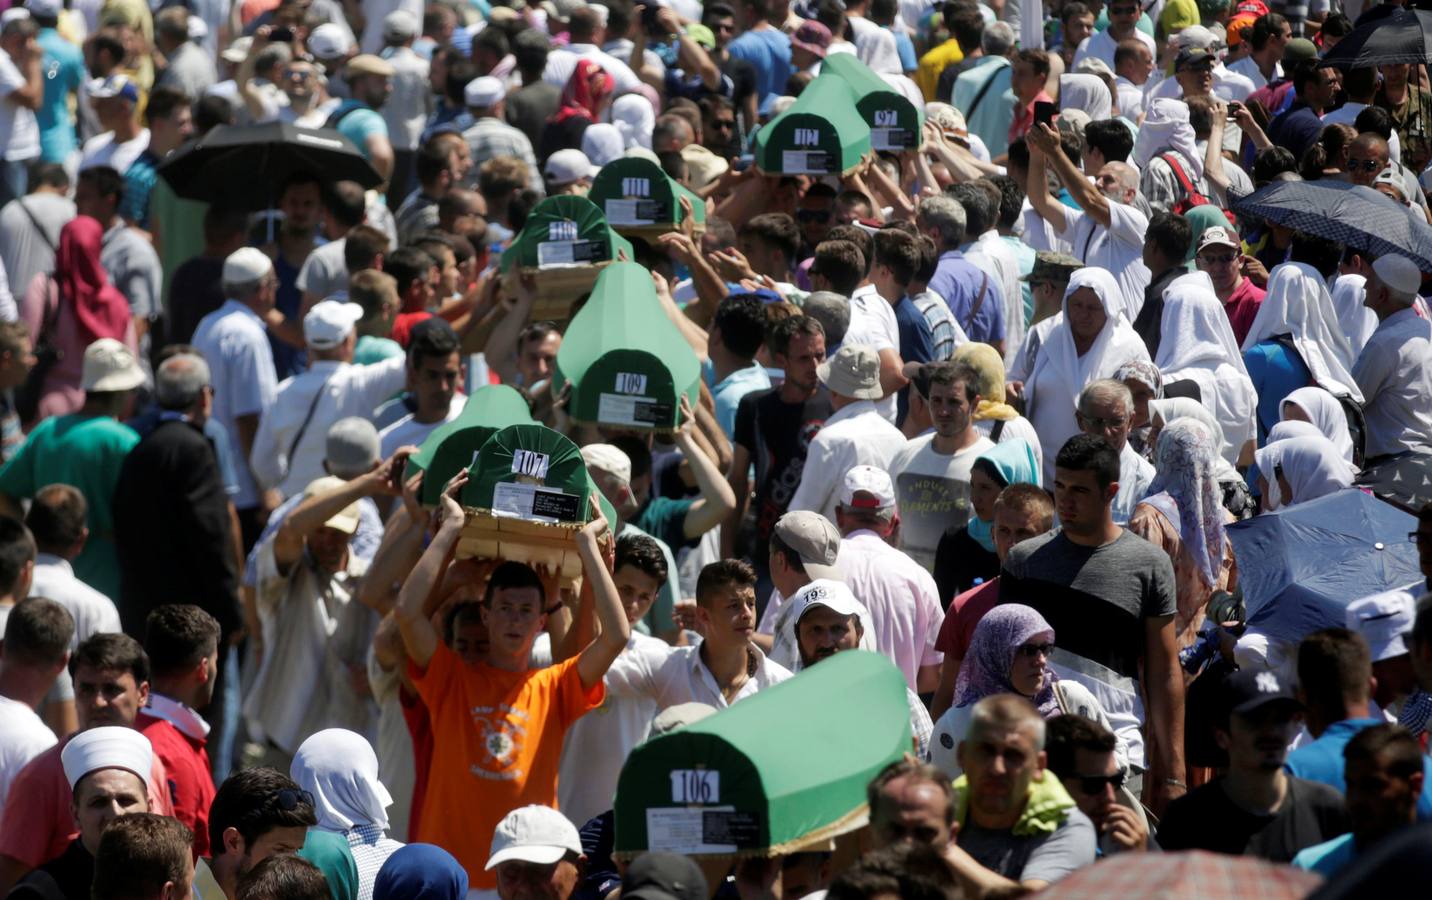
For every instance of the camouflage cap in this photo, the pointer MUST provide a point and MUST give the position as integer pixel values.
(1051, 267)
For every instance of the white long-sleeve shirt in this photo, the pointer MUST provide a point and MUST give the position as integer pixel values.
(1394, 373)
(856, 435)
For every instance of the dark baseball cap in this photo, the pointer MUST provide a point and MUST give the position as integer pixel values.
(664, 876)
(1247, 690)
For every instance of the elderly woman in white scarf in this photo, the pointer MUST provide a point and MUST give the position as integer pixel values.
(339, 768)
(1197, 344)
(1295, 339)
(1088, 93)
(1166, 132)
(1322, 410)
(1091, 341)
(1301, 469)
(1183, 514)
(634, 117)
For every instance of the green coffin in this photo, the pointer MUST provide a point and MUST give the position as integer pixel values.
(530, 472)
(779, 771)
(453, 445)
(895, 123)
(564, 231)
(821, 134)
(627, 363)
(635, 193)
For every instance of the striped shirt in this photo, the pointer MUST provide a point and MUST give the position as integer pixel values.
(371, 848)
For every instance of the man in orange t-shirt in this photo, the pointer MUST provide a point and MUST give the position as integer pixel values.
(498, 726)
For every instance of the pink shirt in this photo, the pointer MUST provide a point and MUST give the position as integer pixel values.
(904, 603)
(38, 823)
(63, 394)
(1242, 308)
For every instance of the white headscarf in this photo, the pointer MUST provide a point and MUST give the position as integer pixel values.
(1298, 304)
(339, 768)
(634, 118)
(1197, 342)
(1325, 412)
(1060, 373)
(602, 143)
(1171, 408)
(1165, 128)
(1088, 93)
(1314, 468)
(1266, 457)
(876, 48)
(1186, 491)
(1354, 318)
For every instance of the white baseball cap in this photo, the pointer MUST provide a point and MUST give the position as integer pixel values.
(109, 366)
(867, 487)
(329, 322)
(1217, 236)
(534, 834)
(1382, 620)
(567, 166)
(610, 459)
(399, 25)
(483, 92)
(329, 41)
(831, 594)
(246, 265)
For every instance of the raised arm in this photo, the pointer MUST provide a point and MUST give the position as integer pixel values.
(1044, 142)
(420, 636)
(593, 544)
(716, 501)
(310, 515)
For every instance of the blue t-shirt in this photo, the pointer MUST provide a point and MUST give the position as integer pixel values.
(906, 48)
(1276, 370)
(768, 50)
(1327, 858)
(139, 180)
(1322, 760)
(728, 393)
(917, 344)
(63, 68)
(359, 125)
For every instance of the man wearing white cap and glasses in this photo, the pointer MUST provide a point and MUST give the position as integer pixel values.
(288, 450)
(855, 435)
(234, 342)
(904, 602)
(106, 769)
(1394, 371)
(569, 172)
(827, 619)
(536, 852)
(84, 449)
(489, 135)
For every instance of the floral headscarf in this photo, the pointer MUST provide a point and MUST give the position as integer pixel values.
(997, 638)
(1145, 373)
(1186, 490)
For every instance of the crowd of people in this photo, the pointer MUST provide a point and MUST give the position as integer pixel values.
(988, 406)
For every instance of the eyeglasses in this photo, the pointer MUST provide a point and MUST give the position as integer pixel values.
(813, 215)
(1221, 259)
(1095, 784)
(1367, 165)
(1030, 651)
(723, 124)
(1106, 424)
(1420, 537)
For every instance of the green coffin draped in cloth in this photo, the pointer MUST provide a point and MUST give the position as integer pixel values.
(821, 134)
(453, 445)
(783, 770)
(895, 123)
(627, 362)
(564, 245)
(528, 493)
(637, 197)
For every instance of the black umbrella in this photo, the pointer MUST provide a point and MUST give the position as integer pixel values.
(247, 164)
(1350, 214)
(1404, 481)
(1400, 36)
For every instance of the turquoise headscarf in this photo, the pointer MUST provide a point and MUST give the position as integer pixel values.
(1202, 218)
(1012, 461)
(331, 854)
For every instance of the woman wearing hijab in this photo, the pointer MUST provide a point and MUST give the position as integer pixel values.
(635, 118)
(1183, 514)
(587, 95)
(1307, 468)
(1088, 93)
(1166, 131)
(602, 143)
(965, 554)
(1009, 654)
(1295, 341)
(996, 419)
(75, 306)
(1321, 409)
(1145, 382)
(421, 872)
(339, 768)
(1269, 455)
(1091, 341)
(1197, 344)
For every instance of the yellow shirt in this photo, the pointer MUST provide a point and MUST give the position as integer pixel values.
(933, 63)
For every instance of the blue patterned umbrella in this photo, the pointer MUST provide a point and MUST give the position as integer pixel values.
(1347, 213)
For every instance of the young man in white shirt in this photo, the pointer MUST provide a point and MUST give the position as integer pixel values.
(37, 646)
(434, 373)
(932, 472)
(115, 100)
(21, 90)
(57, 521)
(856, 434)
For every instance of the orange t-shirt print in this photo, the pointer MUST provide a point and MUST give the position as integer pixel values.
(497, 742)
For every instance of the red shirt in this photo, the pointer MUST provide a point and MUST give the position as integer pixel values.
(403, 326)
(1024, 116)
(420, 729)
(47, 824)
(1242, 308)
(191, 786)
(964, 614)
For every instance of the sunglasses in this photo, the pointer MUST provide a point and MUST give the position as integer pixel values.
(1367, 165)
(813, 215)
(1095, 784)
(287, 799)
(1030, 651)
(1221, 259)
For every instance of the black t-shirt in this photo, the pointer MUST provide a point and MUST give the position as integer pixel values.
(1205, 819)
(777, 435)
(743, 81)
(959, 560)
(195, 291)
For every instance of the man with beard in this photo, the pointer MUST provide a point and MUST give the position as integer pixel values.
(257, 813)
(827, 618)
(370, 81)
